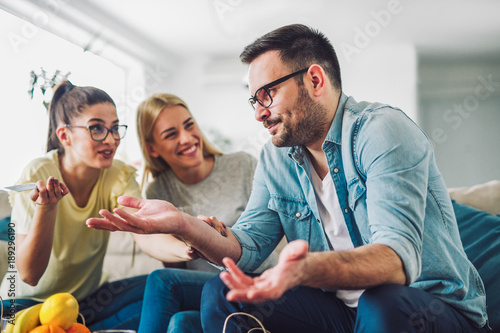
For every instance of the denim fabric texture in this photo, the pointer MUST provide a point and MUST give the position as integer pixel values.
(185, 322)
(390, 190)
(383, 309)
(172, 301)
(115, 305)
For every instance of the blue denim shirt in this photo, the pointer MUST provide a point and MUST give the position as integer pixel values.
(390, 190)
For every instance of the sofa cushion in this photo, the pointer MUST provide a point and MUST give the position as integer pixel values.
(4, 228)
(119, 263)
(480, 234)
(484, 196)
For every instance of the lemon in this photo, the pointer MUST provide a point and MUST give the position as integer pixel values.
(60, 309)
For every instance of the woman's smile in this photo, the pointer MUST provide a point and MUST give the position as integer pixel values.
(191, 151)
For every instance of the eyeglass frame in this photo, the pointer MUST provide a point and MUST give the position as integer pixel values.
(253, 100)
(107, 131)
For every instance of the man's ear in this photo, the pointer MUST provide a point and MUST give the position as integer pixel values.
(151, 150)
(63, 135)
(317, 79)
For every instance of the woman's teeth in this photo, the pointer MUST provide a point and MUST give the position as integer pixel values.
(190, 150)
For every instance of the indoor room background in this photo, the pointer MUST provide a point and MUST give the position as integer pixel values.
(437, 61)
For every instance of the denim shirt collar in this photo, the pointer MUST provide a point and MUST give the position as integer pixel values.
(334, 134)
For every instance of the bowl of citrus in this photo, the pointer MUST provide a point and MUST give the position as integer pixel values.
(57, 314)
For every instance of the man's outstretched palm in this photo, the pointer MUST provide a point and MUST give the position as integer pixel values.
(141, 217)
(273, 282)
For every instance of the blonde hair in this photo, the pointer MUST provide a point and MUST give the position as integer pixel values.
(147, 113)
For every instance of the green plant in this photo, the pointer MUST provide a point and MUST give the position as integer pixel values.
(45, 83)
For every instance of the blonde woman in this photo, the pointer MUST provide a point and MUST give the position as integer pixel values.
(197, 178)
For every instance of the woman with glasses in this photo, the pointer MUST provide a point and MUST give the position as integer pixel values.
(78, 176)
(198, 179)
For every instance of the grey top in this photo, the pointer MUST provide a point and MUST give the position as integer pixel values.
(223, 194)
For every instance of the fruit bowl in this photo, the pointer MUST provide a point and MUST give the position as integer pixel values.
(57, 314)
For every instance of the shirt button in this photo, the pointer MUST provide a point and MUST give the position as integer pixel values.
(346, 211)
(298, 214)
(336, 170)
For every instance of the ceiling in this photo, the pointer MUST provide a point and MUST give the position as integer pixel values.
(151, 30)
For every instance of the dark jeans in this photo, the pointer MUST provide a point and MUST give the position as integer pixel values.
(172, 301)
(384, 309)
(114, 305)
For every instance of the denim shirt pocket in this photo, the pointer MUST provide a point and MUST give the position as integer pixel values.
(289, 208)
(294, 214)
(356, 189)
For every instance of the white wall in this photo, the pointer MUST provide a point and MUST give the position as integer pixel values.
(383, 73)
(460, 111)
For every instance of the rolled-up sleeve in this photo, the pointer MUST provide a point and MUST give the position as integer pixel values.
(258, 229)
(394, 156)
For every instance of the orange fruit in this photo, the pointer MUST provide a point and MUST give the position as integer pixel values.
(47, 329)
(78, 328)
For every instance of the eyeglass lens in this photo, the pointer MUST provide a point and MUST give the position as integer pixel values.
(100, 132)
(263, 97)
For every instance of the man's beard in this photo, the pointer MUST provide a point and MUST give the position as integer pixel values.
(310, 122)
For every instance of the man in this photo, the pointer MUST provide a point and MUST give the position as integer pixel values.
(374, 244)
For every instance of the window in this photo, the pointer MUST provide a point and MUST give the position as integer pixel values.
(24, 122)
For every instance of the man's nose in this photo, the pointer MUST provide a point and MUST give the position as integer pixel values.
(261, 113)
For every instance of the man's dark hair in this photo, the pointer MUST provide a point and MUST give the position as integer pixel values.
(299, 46)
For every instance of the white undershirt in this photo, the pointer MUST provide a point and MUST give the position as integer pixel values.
(332, 218)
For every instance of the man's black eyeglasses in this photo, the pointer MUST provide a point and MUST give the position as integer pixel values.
(100, 132)
(263, 94)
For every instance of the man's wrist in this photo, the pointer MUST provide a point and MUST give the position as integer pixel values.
(310, 265)
(185, 228)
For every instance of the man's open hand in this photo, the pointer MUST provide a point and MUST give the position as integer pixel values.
(272, 283)
(150, 217)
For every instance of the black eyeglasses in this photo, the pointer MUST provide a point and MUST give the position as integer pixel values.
(263, 94)
(100, 132)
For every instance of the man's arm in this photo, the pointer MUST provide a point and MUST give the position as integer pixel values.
(360, 268)
(161, 217)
